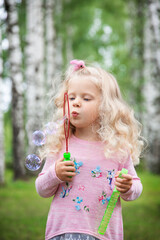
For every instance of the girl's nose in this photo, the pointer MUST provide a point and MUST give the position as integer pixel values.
(76, 103)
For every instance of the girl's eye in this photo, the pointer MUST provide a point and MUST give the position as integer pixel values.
(71, 98)
(87, 99)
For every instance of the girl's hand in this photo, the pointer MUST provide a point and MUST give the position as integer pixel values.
(65, 170)
(123, 184)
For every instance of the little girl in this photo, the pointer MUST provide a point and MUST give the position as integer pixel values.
(104, 138)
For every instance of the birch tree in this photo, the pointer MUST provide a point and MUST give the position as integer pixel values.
(2, 157)
(34, 67)
(54, 59)
(135, 46)
(15, 59)
(152, 86)
(50, 41)
(58, 37)
(50, 53)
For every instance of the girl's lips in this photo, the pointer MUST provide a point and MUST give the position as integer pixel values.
(75, 114)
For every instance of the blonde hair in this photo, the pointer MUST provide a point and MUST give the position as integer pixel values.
(119, 129)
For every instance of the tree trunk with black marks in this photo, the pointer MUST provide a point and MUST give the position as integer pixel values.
(35, 69)
(152, 86)
(15, 59)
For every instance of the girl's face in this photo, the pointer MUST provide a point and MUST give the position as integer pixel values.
(84, 99)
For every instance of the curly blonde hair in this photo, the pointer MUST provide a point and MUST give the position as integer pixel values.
(119, 129)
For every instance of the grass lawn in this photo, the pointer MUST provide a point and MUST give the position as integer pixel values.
(142, 217)
(23, 213)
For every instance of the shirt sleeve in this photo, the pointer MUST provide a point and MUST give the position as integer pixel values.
(47, 181)
(136, 189)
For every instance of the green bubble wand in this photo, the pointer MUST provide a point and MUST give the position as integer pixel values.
(67, 154)
(110, 207)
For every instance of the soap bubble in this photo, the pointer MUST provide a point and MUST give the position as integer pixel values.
(38, 138)
(32, 162)
(52, 127)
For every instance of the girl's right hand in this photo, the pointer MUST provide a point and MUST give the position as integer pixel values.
(65, 170)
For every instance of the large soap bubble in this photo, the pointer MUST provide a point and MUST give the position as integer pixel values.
(32, 162)
(38, 138)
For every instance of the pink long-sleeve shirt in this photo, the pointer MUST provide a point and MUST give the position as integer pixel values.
(78, 206)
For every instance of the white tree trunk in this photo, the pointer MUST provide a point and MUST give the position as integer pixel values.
(59, 41)
(1, 119)
(134, 30)
(54, 59)
(50, 56)
(15, 58)
(35, 68)
(154, 8)
(50, 41)
(152, 85)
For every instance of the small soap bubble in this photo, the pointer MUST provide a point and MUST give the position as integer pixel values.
(32, 162)
(52, 127)
(38, 138)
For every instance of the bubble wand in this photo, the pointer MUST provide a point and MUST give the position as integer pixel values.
(110, 207)
(67, 154)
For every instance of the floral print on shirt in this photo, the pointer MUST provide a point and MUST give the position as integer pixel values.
(65, 191)
(81, 187)
(77, 165)
(86, 208)
(110, 176)
(78, 200)
(97, 173)
(103, 198)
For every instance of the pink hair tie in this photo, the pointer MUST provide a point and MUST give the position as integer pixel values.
(77, 64)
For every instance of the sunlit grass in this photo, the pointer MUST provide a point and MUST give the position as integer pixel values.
(23, 213)
(142, 217)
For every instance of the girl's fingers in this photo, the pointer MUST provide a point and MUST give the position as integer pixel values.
(68, 163)
(123, 181)
(117, 174)
(122, 185)
(127, 176)
(124, 176)
(70, 174)
(122, 190)
(69, 169)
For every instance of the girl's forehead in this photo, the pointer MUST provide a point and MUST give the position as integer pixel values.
(82, 84)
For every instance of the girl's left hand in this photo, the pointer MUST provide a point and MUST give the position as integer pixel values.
(123, 184)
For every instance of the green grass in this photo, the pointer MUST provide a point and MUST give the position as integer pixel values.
(142, 217)
(23, 213)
